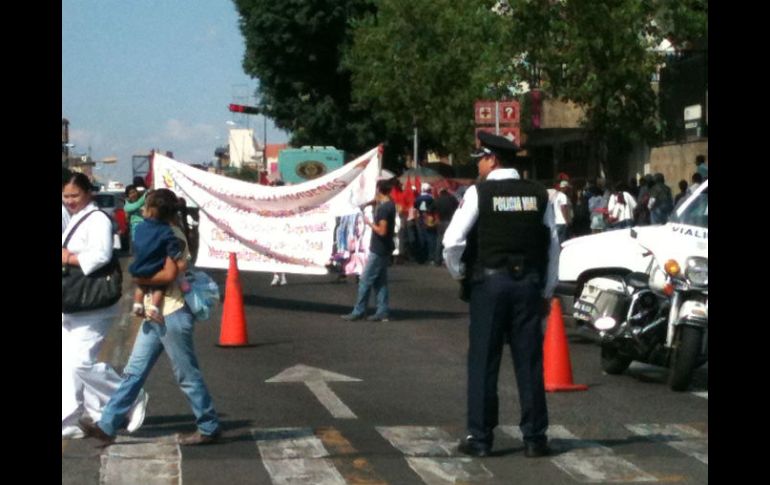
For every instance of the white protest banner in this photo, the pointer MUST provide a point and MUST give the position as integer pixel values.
(287, 229)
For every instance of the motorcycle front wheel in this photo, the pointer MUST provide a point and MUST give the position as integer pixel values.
(684, 358)
(612, 362)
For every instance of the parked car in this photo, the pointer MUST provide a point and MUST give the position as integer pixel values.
(112, 203)
(616, 253)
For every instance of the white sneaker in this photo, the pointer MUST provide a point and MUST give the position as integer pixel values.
(276, 278)
(72, 433)
(283, 281)
(136, 416)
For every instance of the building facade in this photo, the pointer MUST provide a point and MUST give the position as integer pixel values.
(555, 142)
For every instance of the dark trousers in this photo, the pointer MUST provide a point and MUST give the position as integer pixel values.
(440, 231)
(429, 249)
(415, 245)
(504, 309)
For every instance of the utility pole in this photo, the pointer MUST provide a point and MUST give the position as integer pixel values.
(264, 145)
(416, 134)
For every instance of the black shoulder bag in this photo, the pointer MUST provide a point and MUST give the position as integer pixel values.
(100, 289)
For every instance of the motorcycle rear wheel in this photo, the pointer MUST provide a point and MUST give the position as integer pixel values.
(684, 358)
(612, 362)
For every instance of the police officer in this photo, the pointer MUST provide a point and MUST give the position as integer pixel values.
(507, 224)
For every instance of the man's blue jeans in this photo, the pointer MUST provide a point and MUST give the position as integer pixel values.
(659, 216)
(561, 231)
(176, 338)
(375, 276)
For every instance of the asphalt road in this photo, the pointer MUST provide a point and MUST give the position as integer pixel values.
(394, 407)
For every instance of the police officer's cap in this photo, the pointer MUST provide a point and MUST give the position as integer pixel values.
(497, 145)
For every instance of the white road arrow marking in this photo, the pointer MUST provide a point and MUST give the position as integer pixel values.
(315, 379)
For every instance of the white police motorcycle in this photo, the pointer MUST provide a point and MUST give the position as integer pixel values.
(660, 316)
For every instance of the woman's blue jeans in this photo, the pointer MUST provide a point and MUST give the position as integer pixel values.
(176, 338)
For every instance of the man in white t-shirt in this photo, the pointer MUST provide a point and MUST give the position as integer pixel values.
(562, 210)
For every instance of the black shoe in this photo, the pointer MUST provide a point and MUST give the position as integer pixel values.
(536, 449)
(351, 317)
(377, 318)
(473, 448)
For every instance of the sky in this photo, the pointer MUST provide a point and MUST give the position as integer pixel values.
(154, 74)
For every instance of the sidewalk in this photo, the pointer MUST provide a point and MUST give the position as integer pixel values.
(120, 339)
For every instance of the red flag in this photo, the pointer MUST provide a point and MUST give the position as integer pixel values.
(417, 185)
(410, 195)
(397, 196)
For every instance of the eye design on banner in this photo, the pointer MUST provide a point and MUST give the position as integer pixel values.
(311, 169)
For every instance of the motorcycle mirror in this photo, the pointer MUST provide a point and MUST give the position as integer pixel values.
(604, 323)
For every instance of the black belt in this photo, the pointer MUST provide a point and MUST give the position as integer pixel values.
(516, 270)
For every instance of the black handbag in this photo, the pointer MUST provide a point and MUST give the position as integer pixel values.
(100, 289)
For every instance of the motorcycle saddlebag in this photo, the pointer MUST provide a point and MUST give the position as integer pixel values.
(601, 297)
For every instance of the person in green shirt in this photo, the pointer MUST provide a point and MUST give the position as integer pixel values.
(133, 208)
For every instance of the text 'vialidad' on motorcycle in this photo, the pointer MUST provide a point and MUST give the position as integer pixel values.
(659, 317)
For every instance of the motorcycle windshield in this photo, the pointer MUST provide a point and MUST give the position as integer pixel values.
(696, 213)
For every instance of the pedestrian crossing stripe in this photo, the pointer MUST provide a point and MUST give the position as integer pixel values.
(300, 455)
(355, 469)
(324, 456)
(587, 461)
(681, 437)
(139, 460)
(430, 453)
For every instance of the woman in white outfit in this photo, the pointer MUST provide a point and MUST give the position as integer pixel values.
(87, 384)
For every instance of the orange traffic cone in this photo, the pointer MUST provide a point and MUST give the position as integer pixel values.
(233, 332)
(557, 369)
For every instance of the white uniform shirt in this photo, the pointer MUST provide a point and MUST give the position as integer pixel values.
(92, 240)
(65, 218)
(465, 217)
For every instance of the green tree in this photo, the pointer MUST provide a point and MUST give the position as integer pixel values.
(353, 73)
(601, 55)
(424, 63)
(294, 48)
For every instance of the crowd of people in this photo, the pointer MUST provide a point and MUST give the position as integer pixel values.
(600, 206)
(422, 220)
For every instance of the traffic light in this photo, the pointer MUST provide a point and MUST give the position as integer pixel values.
(239, 108)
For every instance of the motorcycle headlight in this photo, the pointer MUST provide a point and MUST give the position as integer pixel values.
(605, 323)
(697, 271)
